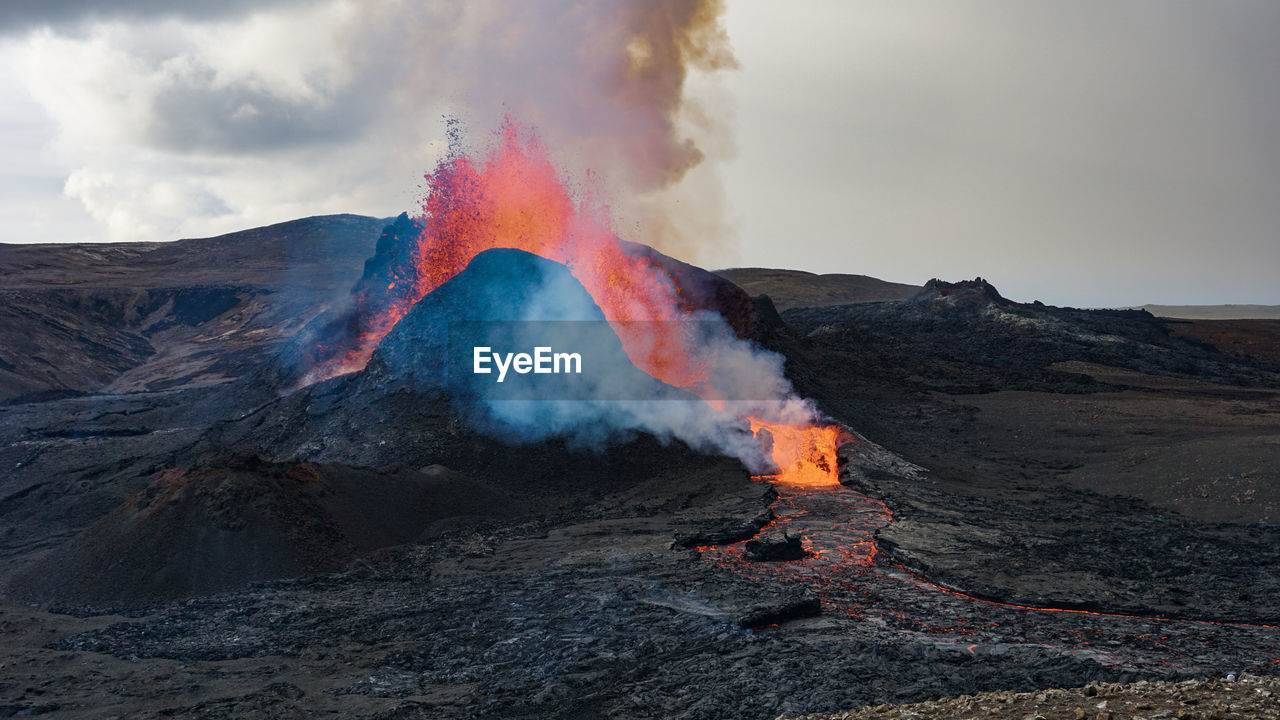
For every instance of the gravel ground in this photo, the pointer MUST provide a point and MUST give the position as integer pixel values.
(1250, 696)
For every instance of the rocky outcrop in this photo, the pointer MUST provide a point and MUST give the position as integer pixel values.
(973, 292)
(966, 337)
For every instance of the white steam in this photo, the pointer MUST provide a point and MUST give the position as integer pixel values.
(606, 404)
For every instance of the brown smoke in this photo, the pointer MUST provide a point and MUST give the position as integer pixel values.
(604, 82)
(671, 205)
(664, 40)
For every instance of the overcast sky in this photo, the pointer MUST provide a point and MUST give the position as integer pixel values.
(1091, 152)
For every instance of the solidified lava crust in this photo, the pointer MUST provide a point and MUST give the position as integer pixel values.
(852, 579)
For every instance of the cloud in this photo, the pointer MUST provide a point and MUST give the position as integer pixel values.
(20, 15)
(170, 128)
(185, 88)
(209, 121)
(1082, 152)
(129, 203)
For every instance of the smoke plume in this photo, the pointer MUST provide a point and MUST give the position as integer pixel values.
(193, 121)
(603, 82)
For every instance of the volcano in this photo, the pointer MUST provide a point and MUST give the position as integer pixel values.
(511, 195)
(417, 400)
(508, 298)
(393, 264)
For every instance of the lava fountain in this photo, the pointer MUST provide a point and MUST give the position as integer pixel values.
(513, 197)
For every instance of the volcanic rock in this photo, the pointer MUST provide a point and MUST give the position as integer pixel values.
(971, 293)
(775, 546)
(390, 257)
(699, 289)
(392, 268)
(240, 519)
(747, 518)
(778, 612)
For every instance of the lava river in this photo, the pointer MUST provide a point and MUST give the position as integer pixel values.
(856, 583)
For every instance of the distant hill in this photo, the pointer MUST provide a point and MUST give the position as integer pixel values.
(325, 251)
(119, 317)
(1215, 312)
(798, 289)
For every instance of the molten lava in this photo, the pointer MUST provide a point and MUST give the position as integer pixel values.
(805, 455)
(513, 198)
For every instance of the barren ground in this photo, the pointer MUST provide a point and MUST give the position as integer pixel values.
(1043, 498)
(1250, 696)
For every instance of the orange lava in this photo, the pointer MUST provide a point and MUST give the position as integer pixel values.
(805, 455)
(512, 197)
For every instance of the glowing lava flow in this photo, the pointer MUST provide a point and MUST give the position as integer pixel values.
(805, 455)
(852, 581)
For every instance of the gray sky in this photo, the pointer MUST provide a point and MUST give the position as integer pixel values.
(1087, 152)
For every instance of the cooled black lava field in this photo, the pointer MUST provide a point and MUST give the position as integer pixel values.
(1028, 497)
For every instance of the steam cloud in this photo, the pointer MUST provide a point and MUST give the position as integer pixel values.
(510, 300)
(617, 410)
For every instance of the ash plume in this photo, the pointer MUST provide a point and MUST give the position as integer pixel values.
(604, 82)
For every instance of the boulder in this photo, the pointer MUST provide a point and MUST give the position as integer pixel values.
(776, 546)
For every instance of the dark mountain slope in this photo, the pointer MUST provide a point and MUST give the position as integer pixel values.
(132, 316)
(238, 520)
